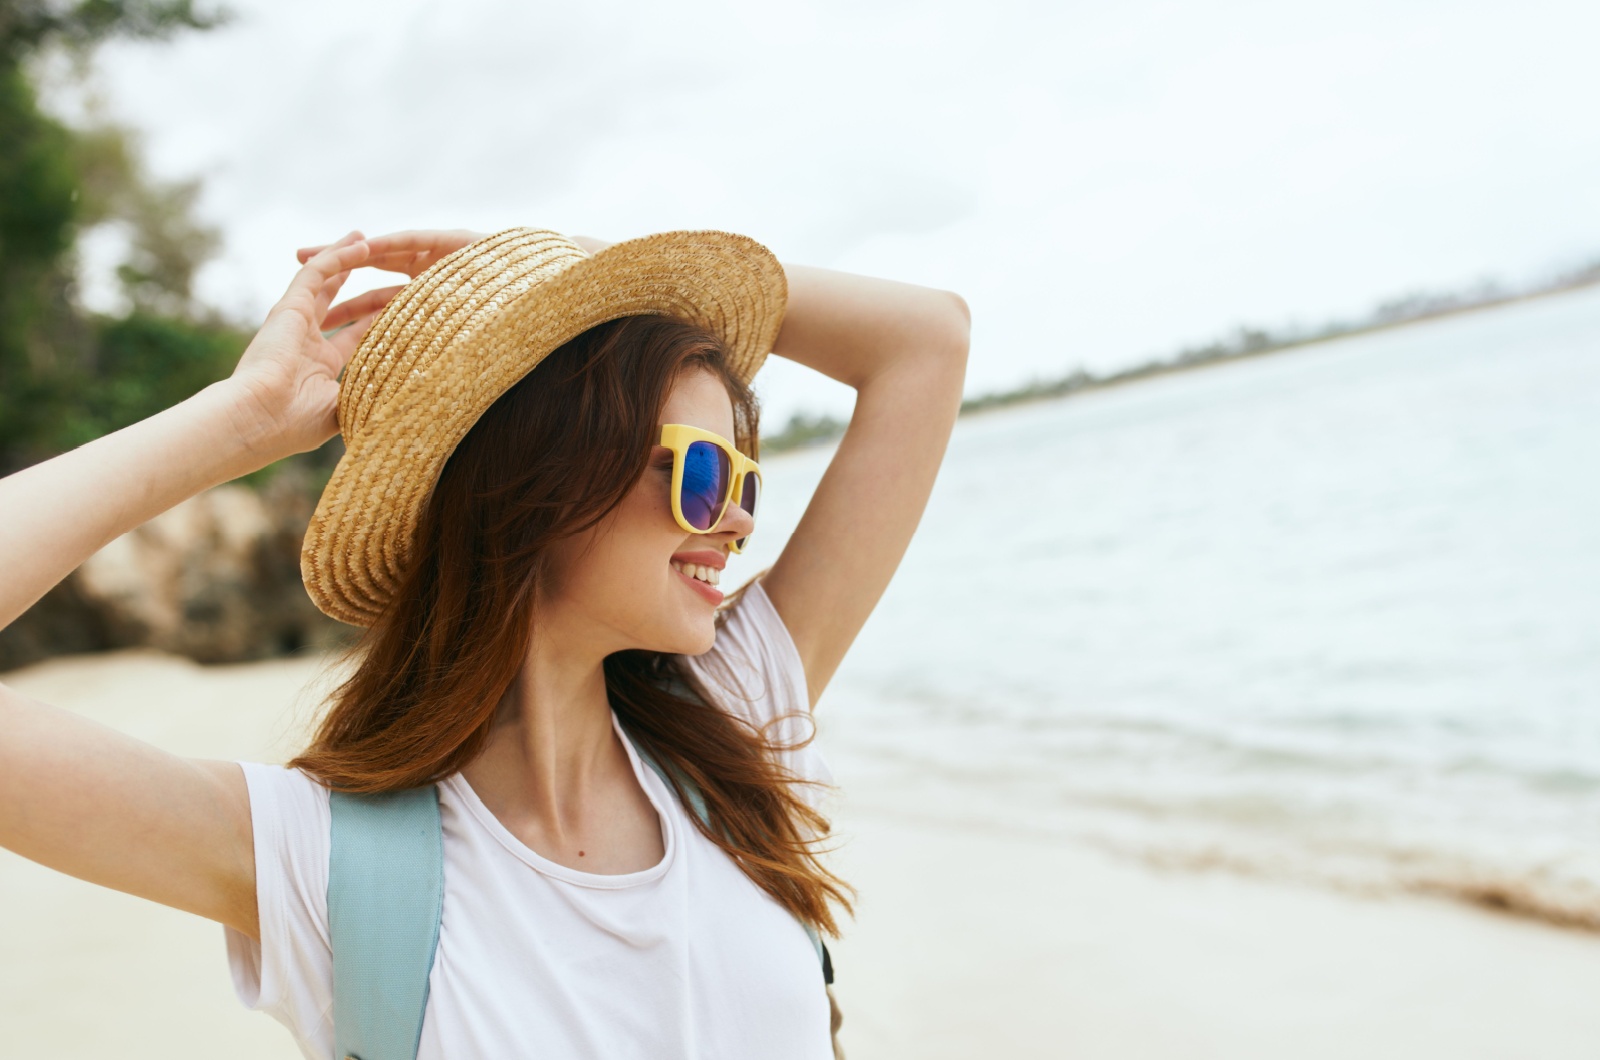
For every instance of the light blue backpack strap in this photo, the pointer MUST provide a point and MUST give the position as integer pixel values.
(385, 896)
(697, 804)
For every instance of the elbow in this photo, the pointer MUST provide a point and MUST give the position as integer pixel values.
(941, 358)
(962, 309)
(933, 348)
(959, 328)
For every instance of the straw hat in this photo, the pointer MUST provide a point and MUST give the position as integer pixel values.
(461, 334)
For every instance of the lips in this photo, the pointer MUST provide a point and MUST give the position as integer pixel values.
(704, 557)
(707, 592)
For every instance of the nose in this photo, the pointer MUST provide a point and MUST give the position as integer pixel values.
(736, 523)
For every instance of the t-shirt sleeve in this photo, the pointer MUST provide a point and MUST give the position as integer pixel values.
(289, 973)
(754, 670)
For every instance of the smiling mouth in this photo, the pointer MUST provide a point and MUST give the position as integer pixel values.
(703, 587)
(708, 575)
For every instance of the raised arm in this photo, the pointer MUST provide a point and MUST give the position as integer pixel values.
(904, 350)
(85, 799)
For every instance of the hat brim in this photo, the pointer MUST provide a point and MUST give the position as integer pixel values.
(461, 334)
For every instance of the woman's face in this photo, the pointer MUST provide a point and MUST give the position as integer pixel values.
(618, 585)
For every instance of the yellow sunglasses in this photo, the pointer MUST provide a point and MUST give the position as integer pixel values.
(708, 474)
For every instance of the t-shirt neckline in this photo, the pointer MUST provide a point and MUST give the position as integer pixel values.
(463, 792)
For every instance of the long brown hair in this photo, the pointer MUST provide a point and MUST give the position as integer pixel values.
(550, 458)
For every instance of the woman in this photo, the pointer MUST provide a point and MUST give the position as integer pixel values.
(541, 603)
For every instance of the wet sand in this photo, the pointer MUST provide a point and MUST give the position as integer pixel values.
(967, 943)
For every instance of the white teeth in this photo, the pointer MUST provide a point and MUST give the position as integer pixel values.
(710, 575)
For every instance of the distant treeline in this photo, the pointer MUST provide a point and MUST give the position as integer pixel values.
(806, 429)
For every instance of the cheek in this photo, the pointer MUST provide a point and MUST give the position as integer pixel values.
(648, 512)
(638, 542)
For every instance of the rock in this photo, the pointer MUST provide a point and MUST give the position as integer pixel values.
(216, 578)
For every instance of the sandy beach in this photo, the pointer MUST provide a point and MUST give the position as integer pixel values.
(967, 942)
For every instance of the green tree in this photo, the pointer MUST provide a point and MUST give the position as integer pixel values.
(65, 376)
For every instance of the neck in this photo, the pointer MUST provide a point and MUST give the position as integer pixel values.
(551, 745)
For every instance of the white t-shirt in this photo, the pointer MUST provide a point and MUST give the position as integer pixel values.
(687, 959)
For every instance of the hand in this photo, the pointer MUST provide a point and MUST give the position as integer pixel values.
(288, 379)
(409, 252)
(286, 385)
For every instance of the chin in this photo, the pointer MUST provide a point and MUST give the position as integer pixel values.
(694, 637)
(699, 642)
(681, 635)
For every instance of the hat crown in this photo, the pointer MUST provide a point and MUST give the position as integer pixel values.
(444, 304)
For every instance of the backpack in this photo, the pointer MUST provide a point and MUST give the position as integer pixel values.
(385, 897)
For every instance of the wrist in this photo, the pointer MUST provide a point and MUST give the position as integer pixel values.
(241, 443)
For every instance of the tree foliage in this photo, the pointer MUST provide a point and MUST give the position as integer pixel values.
(28, 26)
(67, 375)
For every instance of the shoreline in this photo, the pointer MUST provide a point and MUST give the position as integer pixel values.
(1502, 899)
(815, 432)
(968, 939)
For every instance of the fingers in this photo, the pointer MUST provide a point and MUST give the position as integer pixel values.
(305, 254)
(326, 294)
(361, 305)
(323, 270)
(410, 251)
(410, 262)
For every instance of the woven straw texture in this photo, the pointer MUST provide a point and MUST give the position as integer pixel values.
(463, 333)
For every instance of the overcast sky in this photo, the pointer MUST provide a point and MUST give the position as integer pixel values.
(1102, 182)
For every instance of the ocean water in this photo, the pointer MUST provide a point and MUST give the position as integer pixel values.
(1331, 614)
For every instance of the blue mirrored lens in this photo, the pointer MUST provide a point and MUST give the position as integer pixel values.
(705, 484)
(752, 490)
(748, 499)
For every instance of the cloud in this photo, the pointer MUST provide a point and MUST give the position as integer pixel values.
(1101, 184)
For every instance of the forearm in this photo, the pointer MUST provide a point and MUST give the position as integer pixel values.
(858, 328)
(56, 514)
